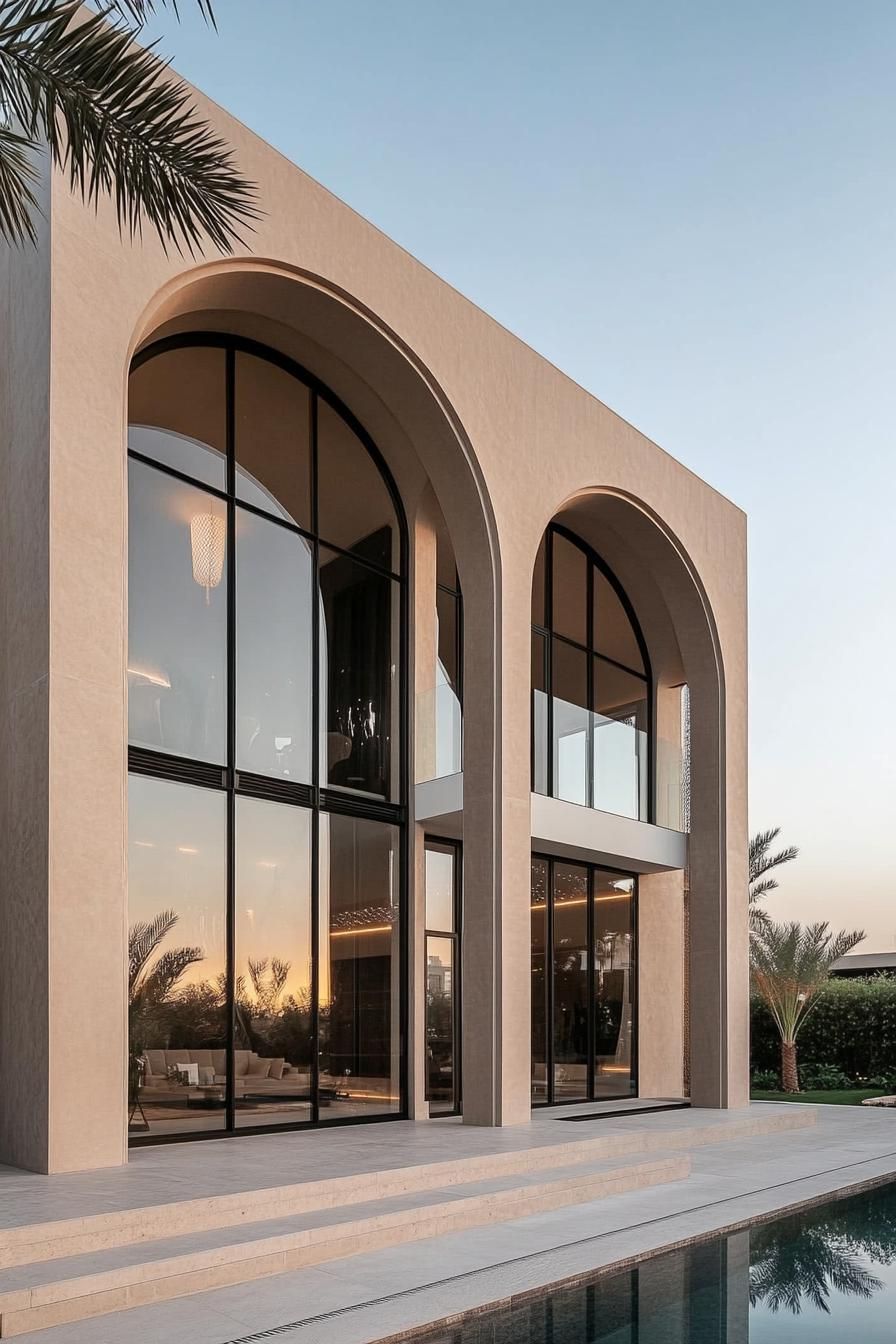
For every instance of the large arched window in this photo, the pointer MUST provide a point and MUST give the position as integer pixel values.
(592, 715)
(267, 712)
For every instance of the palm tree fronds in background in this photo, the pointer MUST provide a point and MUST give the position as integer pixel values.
(789, 964)
(116, 122)
(761, 862)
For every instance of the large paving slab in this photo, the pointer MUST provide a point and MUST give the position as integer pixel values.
(374, 1295)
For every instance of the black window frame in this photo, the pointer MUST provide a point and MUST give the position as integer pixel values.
(316, 796)
(549, 636)
(551, 860)
(456, 936)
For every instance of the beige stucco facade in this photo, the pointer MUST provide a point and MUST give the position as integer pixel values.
(466, 415)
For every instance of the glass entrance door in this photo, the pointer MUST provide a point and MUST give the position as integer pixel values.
(583, 982)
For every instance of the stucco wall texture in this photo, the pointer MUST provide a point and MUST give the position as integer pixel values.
(505, 441)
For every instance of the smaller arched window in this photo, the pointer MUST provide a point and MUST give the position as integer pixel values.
(591, 684)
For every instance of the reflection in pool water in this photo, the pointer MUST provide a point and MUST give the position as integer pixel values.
(826, 1274)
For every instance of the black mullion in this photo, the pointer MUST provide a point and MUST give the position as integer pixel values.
(404, 761)
(634, 1086)
(318, 736)
(549, 665)
(179, 769)
(230, 1100)
(361, 560)
(591, 737)
(614, 662)
(178, 475)
(549, 983)
(271, 789)
(286, 523)
(456, 1020)
(590, 935)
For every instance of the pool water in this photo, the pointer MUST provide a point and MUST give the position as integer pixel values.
(823, 1275)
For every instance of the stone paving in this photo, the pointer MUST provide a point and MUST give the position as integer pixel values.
(370, 1297)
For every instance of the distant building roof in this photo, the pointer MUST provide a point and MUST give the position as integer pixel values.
(864, 963)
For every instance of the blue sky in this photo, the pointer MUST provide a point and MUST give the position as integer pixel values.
(691, 209)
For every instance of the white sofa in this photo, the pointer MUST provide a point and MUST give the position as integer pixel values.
(254, 1075)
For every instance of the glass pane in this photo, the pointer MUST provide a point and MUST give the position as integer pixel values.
(614, 983)
(446, 565)
(177, 412)
(177, 616)
(273, 439)
(272, 952)
(613, 632)
(360, 968)
(539, 717)
(572, 723)
(449, 718)
(447, 622)
(177, 912)
(620, 741)
(359, 679)
(440, 1024)
(570, 981)
(570, 590)
(355, 509)
(538, 611)
(440, 887)
(539, 907)
(274, 585)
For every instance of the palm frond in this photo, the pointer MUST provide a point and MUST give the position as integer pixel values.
(139, 11)
(18, 176)
(119, 123)
(790, 963)
(168, 970)
(761, 861)
(143, 940)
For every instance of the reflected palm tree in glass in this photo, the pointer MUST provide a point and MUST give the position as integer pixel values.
(153, 978)
(804, 1262)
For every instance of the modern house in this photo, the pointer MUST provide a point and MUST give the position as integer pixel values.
(858, 964)
(373, 704)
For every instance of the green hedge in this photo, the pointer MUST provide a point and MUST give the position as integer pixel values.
(851, 1026)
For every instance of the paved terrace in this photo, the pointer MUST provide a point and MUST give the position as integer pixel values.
(381, 1294)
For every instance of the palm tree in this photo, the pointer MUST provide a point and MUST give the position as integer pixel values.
(793, 1262)
(762, 861)
(151, 979)
(790, 964)
(112, 117)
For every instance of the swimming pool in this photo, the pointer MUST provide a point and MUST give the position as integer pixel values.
(825, 1274)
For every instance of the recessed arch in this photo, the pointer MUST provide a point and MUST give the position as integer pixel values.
(679, 628)
(390, 391)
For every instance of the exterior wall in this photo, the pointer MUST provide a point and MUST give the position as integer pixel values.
(506, 441)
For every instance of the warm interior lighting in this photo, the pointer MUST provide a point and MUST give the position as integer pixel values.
(362, 928)
(151, 678)
(266, 863)
(186, 849)
(581, 900)
(145, 844)
(207, 531)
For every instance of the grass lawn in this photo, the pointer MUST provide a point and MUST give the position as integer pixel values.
(851, 1097)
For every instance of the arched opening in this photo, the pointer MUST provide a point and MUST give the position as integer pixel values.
(690, 914)
(268, 723)
(592, 702)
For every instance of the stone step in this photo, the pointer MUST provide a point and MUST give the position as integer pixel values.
(27, 1243)
(55, 1292)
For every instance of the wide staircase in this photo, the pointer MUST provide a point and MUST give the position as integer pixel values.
(52, 1273)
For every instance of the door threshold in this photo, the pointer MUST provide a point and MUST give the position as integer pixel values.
(628, 1110)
